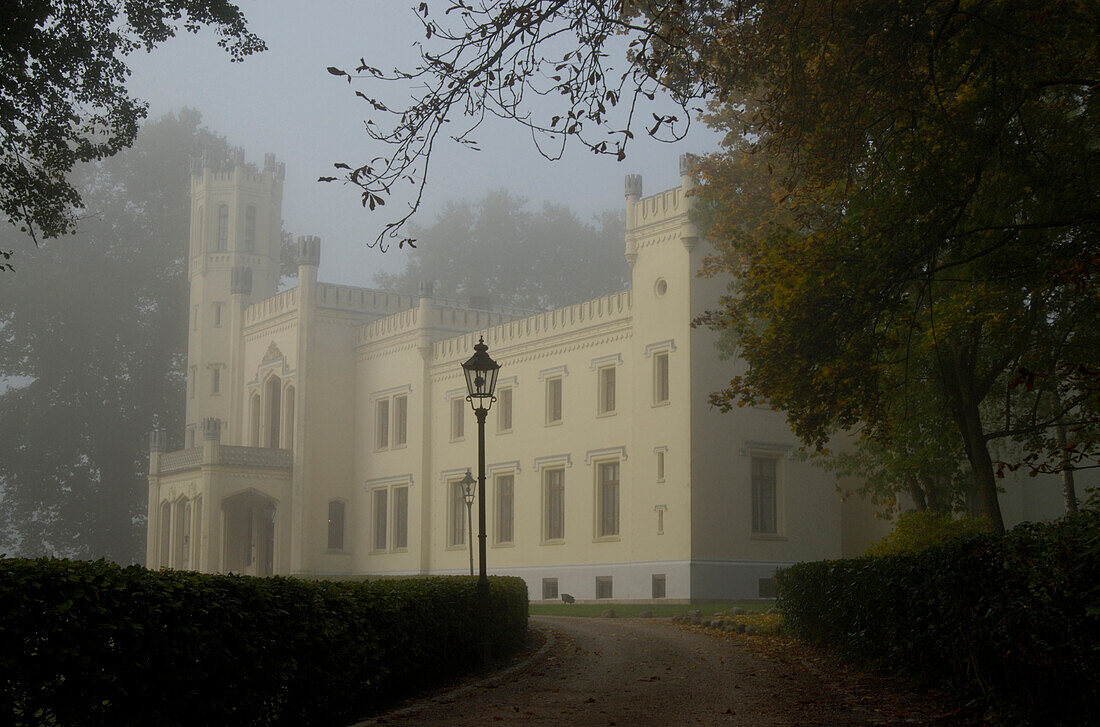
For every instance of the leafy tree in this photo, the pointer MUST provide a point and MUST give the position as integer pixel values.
(497, 249)
(63, 96)
(933, 184)
(92, 339)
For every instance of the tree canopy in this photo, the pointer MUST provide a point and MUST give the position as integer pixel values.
(906, 187)
(495, 247)
(63, 96)
(92, 343)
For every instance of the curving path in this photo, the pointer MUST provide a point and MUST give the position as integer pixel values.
(649, 672)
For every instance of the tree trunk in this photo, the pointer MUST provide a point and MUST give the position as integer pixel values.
(1069, 490)
(964, 399)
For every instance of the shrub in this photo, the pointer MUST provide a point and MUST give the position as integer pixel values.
(1013, 620)
(917, 531)
(92, 643)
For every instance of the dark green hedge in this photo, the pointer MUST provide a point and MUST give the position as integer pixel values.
(1013, 620)
(92, 643)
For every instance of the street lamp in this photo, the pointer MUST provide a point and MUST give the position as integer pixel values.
(468, 495)
(481, 379)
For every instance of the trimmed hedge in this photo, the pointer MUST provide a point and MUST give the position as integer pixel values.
(93, 643)
(1012, 620)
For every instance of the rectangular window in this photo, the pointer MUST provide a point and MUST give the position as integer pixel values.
(608, 473)
(400, 420)
(549, 588)
(603, 587)
(763, 495)
(382, 423)
(217, 314)
(223, 228)
(660, 465)
(458, 418)
(192, 374)
(250, 229)
(380, 513)
(553, 400)
(607, 390)
(505, 507)
(766, 588)
(400, 518)
(504, 411)
(658, 585)
(336, 525)
(660, 378)
(555, 504)
(458, 514)
(216, 381)
(195, 318)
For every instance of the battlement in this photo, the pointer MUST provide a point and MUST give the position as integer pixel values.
(269, 308)
(366, 300)
(659, 207)
(233, 168)
(606, 309)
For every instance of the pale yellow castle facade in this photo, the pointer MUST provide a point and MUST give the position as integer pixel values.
(327, 428)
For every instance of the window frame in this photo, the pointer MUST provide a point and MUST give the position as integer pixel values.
(600, 511)
(375, 492)
(500, 509)
(381, 423)
(548, 492)
(607, 581)
(555, 400)
(221, 240)
(505, 399)
(662, 378)
(456, 515)
(399, 525)
(399, 437)
(250, 228)
(758, 484)
(458, 419)
(606, 401)
(546, 583)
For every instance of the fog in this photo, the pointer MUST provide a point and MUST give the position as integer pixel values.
(284, 101)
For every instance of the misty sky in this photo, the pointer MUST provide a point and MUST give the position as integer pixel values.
(284, 101)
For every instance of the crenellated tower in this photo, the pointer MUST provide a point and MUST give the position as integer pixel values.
(235, 243)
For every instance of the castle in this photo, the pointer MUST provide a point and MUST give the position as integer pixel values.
(327, 427)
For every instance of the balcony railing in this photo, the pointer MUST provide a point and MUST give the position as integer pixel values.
(258, 457)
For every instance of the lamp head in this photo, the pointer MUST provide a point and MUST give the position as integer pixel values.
(481, 376)
(468, 483)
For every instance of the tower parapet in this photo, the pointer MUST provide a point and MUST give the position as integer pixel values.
(309, 250)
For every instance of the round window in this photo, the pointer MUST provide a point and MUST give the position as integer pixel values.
(661, 287)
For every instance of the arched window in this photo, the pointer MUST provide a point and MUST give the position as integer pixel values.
(254, 421)
(223, 228)
(272, 395)
(335, 525)
(288, 418)
(250, 229)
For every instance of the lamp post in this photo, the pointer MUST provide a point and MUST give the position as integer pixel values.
(468, 483)
(481, 379)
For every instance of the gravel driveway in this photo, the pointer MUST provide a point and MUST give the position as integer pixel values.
(652, 673)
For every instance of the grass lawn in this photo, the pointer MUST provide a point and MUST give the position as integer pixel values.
(626, 610)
